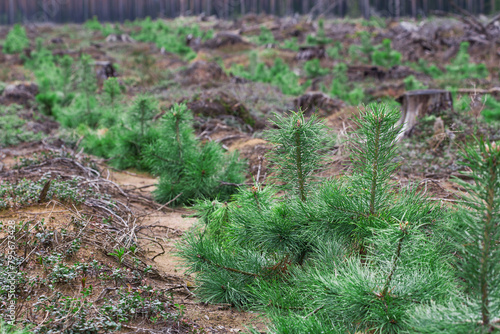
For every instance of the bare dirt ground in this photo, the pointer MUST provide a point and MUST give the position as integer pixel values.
(163, 229)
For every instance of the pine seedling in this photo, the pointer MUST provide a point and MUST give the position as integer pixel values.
(178, 141)
(143, 109)
(298, 256)
(16, 40)
(266, 36)
(187, 169)
(133, 140)
(129, 146)
(341, 88)
(374, 154)
(385, 55)
(320, 38)
(112, 91)
(296, 155)
(476, 234)
(87, 82)
(67, 77)
(313, 68)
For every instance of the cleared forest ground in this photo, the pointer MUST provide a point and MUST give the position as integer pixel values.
(96, 247)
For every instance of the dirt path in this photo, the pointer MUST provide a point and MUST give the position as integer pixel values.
(166, 228)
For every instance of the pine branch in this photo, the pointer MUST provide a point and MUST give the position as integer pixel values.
(298, 159)
(375, 169)
(178, 136)
(227, 268)
(349, 211)
(403, 228)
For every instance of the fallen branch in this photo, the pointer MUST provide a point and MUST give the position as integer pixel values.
(169, 202)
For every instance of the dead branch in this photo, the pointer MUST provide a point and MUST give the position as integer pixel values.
(169, 202)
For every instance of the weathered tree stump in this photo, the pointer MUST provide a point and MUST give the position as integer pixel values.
(20, 93)
(124, 38)
(105, 69)
(223, 39)
(319, 102)
(418, 103)
(311, 52)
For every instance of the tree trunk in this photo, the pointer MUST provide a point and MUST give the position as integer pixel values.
(305, 6)
(183, 7)
(242, 7)
(366, 9)
(397, 8)
(11, 12)
(418, 103)
(414, 8)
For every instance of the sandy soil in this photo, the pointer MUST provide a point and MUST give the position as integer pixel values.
(166, 227)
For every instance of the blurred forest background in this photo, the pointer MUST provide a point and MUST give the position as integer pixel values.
(77, 11)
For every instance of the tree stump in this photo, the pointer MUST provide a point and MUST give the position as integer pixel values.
(105, 69)
(311, 102)
(418, 103)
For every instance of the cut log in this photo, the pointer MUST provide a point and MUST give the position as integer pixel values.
(418, 103)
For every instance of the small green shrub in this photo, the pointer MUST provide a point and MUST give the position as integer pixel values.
(105, 29)
(363, 52)
(313, 68)
(171, 38)
(48, 101)
(291, 44)
(341, 88)
(54, 77)
(380, 55)
(16, 40)
(296, 155)
(491, 111)
(422, 66)
(279, 75)
(112, 92)
(189, 170)
(462, 68)
(320, 37)
(384, 56)
(93, 24)
(266, 37)
(83, 108)
(133, 139)
(412, 83)
(334, 52)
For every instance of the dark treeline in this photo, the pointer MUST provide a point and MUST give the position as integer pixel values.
(62, 11)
